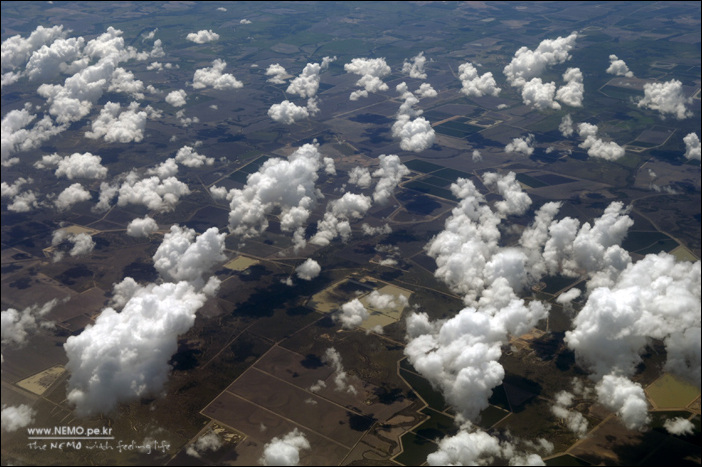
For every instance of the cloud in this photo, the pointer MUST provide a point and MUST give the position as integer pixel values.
(390, 172)
(415, 67)
(17, 325)
(287, 112)
(572, 92)
(333, 358)
(123, 81)
(21, 201)
(336, 219)
(626, 398)
(17, 138)
(693, 150)
(286, 184)
(666, 98)
(245, 21)
(70, 196)
(329, 167)
(566, 126)
(308, 270)
(277, 74)
(176, 98)
(618, 67)
(610, 151)
(472, 446)
(188, 157)
(567, 297)
(656, 297)
(125, 355)
(371, 70)
(152, 192)
(207, 442)
(540, 95)
(285, 450)
(214, 77)
(528, 64)
(415, 134)
(62, 56)
(515, 200)
(307, 83)
(83, 243)
(521, 145)
(679, 426)
(16, 417)
(183, 257)
(119, 127)
(203, 36)
(575, 421)
(142, 227)
(360, 176)
(374, 231)
(15, 50)
(165, 169)
(473, 84)
(352, 314)
(476, 156)
(460, 355)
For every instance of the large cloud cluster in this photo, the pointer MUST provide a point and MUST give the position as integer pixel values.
(125, 355)
(474, 84)
(667, 98)
(16, 50)
(372, 72)
(215, 77)
(285, 450)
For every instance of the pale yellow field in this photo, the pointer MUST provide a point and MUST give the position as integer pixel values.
(78, 229)
(241, 263)
(39, 383)
(681, 253)
(669, 392)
